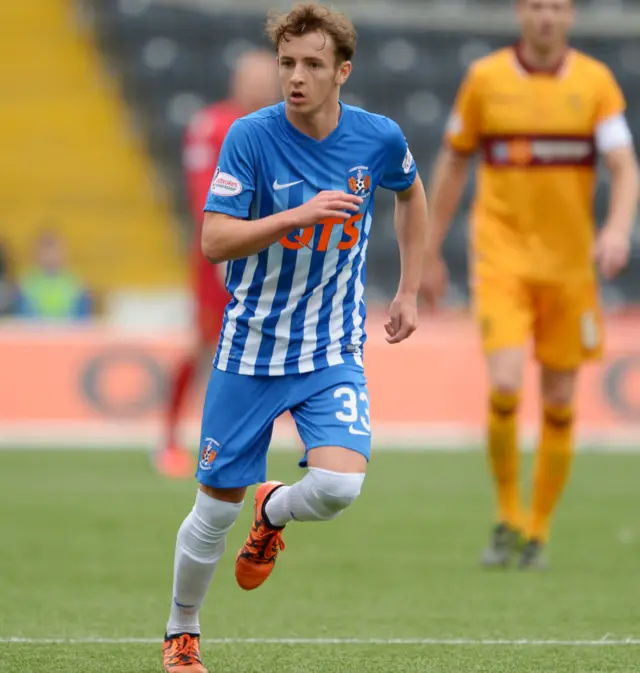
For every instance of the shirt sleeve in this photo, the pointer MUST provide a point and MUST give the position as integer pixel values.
(463, 128)
(400, 169)
(612, 130)
(234, 180)
(611, 100)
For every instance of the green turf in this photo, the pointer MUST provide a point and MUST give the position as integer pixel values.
(87, 551)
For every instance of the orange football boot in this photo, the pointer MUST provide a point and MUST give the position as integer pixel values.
(257, 557)
(182, 653)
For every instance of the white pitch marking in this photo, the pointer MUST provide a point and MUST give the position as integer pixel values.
(606, 641)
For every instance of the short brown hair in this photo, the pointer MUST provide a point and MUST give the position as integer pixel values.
(308, 17)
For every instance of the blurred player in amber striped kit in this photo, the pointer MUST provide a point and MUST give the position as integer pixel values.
(254, 85)
(539, 114)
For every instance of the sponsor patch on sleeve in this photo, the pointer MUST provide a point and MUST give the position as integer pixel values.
(407, 162)
(225, 184)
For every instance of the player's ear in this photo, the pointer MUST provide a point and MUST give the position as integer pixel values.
(344, 70)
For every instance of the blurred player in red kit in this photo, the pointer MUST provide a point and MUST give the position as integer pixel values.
(254, 85)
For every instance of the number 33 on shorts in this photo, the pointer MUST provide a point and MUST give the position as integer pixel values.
(336, 410)
(354, 411)
(336, 413)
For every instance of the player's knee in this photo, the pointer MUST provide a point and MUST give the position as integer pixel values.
(506, 386)
(561, 396)
(335, 491)
(559, 417)
(207, 525)
(504, 401)
(558, 387)
(505, 371)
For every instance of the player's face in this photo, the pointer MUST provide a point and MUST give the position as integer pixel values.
(309, 74)
(545, 23)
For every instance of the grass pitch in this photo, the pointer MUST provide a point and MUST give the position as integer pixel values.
(392, 585)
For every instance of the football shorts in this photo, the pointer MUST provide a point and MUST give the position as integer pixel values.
(564, 319)
(330, 407)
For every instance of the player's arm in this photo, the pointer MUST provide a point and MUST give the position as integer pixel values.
(410, 221)
(448, 179)
(623, 200)
(411, 227)
(225, 237)
(227, 231)
(614, 241)
(614, 142)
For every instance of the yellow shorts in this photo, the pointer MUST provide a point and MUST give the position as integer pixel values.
(564, 319)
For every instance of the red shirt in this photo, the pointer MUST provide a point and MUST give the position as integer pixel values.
(201, 147)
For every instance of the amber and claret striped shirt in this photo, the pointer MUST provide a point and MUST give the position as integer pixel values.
(538, 135)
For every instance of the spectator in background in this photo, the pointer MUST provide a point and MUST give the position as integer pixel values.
(6, 286)
(49, 290)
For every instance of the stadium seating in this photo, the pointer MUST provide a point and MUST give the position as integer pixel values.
(172, 59)
(70, 160)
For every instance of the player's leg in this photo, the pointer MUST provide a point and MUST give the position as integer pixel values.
(237, 423)
(200, 544)
(333, 481)
(331, 410)
(568, 332)
(505, 368)
(172, 459)
(553, 460)
(503, 311)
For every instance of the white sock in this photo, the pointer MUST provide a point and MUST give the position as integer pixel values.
(199, 548)
(320, 495)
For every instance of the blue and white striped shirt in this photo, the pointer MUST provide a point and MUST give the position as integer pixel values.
(299, 305)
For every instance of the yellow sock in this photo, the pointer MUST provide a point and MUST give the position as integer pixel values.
(504, 456)
(553, 462)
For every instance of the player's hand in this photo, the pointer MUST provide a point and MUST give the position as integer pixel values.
(435, 278)
(327, 204)
(612, 251)
(403, 318)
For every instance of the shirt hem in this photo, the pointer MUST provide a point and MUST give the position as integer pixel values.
(349, 359)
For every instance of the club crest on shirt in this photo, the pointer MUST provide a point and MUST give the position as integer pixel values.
(359, 181)
(209, 453)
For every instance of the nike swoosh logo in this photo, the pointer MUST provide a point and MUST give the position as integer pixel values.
(353, 431)
(277, 186)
